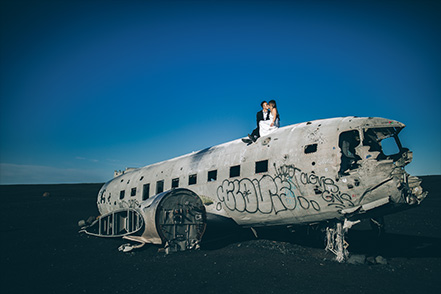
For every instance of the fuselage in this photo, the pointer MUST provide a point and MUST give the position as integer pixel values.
(303, 173)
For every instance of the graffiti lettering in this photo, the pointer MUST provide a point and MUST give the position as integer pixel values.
(267, 195)
(281, 192)
(339, 200)
(132, 203)
(323, 186)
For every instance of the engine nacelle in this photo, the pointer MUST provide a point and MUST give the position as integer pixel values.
(176, 218)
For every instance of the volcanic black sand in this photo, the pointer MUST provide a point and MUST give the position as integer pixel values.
(42, 252)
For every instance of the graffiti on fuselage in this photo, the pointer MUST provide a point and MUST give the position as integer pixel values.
(281, 192)
(132, 203)
(323, 186)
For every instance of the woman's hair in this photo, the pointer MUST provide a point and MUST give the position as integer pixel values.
(273, 103)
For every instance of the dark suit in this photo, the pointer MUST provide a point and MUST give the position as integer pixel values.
(259, 116)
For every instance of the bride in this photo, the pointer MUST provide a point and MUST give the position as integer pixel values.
(266, 127)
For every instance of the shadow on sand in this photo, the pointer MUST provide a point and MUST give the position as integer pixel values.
(365, 242)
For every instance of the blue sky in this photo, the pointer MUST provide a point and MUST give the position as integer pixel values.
(88, 87)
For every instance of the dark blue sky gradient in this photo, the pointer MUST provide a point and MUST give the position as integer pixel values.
(88, 87)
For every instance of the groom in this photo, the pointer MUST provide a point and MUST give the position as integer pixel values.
(261, 115)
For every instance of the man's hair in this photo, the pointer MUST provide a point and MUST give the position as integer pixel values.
(261, 104)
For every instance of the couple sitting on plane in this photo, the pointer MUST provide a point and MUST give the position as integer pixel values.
(268, 120)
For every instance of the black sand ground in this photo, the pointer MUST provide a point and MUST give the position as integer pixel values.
(41, 252)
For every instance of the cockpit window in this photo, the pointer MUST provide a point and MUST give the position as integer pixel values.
(349, 158)
(380, 142)
(389, 146)
(385, 141)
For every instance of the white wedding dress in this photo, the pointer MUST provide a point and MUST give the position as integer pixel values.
(265, 127)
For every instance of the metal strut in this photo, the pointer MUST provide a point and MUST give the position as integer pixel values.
(335, 242)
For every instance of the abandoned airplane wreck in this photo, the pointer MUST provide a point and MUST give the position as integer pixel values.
(334, 172)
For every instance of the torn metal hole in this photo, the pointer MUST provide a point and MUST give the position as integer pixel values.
(266, 141)
(310, 148)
